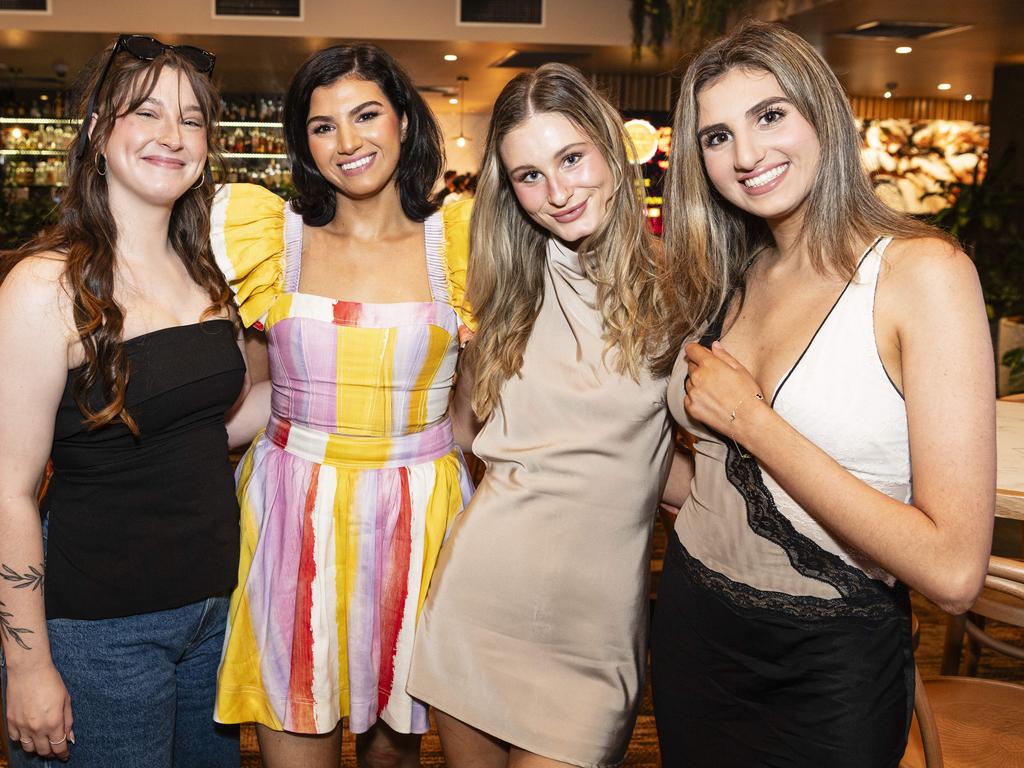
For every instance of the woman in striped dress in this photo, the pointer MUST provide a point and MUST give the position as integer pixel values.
(347, 494)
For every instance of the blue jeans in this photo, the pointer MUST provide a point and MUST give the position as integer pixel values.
(142, 690)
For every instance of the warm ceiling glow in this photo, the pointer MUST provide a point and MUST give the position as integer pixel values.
(43, 97)
(944, 86)
(450, 57)
(453, 100)
(887, 95)
(903, 49)
(460, 141)
(967, 97)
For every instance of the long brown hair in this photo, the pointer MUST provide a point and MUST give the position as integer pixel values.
(708, 239)
(86, 233)
(506, 272)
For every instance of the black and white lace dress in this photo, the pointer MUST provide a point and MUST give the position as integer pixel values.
(774, 643)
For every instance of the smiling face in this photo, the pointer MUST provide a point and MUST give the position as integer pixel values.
(355, 136)
(558, 174)
(158, 150)
(760, 153)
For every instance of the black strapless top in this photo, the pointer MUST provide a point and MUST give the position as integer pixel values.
(141, 524)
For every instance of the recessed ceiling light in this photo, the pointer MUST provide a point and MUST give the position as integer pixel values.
(944, 86)
(887, 95)
(450, 57)
(903, 49)
(967, 97)
(453, 100)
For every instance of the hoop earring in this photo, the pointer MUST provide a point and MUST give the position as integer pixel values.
(202, 180)
(101, 169)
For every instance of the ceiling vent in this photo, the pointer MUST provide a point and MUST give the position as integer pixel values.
(439, 90)
(501, 12)
(278, 9)
(533, 59)
(38, 6)
(903, 30)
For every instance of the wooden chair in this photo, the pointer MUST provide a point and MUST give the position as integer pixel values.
(962, 721)
(993, 604)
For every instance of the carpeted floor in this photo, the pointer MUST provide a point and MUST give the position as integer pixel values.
(643, 750)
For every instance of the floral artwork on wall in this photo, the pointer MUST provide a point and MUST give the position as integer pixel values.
(918, 166)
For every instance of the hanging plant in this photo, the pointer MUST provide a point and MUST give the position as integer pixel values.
(689, 22)
(652, 23)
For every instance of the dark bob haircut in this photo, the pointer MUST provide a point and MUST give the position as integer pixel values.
(421, 159)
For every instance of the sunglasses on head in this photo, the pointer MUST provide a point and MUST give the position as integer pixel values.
(144, 48)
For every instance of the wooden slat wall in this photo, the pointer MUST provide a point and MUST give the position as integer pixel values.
(875, 107)
(638, 93)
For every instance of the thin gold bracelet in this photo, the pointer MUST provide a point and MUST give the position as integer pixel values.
(732, 413)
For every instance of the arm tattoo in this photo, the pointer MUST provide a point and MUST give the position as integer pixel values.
(11, 632)
(33, 580)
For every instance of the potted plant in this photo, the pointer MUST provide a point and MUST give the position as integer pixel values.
(986, 218)
(688, 22)
(22, 215)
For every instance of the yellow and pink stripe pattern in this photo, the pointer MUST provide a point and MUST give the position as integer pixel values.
(347, 495)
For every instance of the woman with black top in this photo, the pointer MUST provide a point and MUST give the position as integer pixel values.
(120, 362)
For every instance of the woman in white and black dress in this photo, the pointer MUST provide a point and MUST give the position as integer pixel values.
(847, 351)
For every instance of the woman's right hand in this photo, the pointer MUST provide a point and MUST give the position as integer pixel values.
(37, 341)
(39, 711)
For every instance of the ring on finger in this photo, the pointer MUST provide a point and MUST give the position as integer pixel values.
(62, 740)
(25, 741)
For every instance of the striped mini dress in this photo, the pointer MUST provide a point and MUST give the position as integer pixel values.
(348, 493)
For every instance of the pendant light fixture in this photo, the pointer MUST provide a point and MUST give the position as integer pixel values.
(461, 140)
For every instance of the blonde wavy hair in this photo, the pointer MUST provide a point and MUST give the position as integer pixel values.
(506, 272)
(709, 240)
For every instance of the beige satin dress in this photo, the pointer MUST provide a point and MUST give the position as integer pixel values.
(534, 627)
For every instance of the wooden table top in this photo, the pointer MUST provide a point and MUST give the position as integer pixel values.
(1010, 457)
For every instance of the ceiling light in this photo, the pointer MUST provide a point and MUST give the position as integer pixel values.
(967, 97)
(453, 100)
(903, 49)
(43, 97)
(887, 95)
(944, 86)
(460, 141)
(450, 57)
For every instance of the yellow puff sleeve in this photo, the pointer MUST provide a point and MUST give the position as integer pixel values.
(247, 232)
(456, 257)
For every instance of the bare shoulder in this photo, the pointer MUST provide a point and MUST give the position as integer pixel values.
(35, 288)
(920, 267)
(40, 271)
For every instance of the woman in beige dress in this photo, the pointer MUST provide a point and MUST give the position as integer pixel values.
(531, 643)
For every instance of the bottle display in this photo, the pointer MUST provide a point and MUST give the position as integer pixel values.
(252, 140)
(46, 136)
(34, 137)
(263, 109)
(46, 105)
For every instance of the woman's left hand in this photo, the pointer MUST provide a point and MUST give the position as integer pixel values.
(720, 392)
